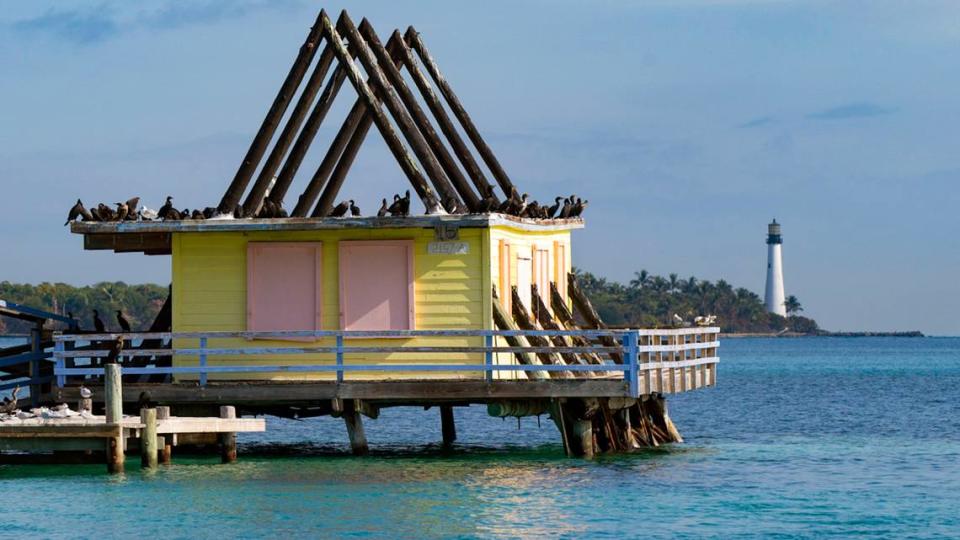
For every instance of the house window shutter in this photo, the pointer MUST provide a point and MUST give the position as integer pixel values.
(283, 286)
(376, 285)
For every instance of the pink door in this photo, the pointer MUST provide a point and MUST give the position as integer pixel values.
(376, 285)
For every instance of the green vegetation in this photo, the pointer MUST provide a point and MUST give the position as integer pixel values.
(140, 303)
(649, 301)
(646, 301)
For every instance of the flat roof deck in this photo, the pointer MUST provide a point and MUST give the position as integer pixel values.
(153, 237)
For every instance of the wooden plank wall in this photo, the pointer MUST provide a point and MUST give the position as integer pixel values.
(209, 283)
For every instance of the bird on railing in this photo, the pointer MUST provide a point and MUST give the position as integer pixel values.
(124, 323)
(98, 322)
(115, 349)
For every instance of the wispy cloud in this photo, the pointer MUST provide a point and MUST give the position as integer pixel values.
(84, 27)
(95, 24)
(758, 122)
(851, 110)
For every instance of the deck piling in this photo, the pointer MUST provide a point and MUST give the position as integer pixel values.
(113, 396)
(354, 422)
(166, 449)
(148, 438)
(228, 441)
(448, 426)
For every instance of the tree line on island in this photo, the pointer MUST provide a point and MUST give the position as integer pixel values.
(646, 301)
(649, 300)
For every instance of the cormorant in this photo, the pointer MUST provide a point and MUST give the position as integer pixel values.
(578, 208)
(145, 401)
(104, 212)
(10, 403)
(124, 323)
(354, 209)
(98, 322)
(341, 209)
(166, 208)
(405, 204)
(133, 203)
(122, 211)
(197, 214)
(383, 209)
(78, 210)
(397, 207)
(565, 211)
(115, 351)
(209, 212)
(552, 211)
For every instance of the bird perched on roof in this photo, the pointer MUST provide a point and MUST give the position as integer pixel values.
(124, 323)
(396, 207)
(197, 214)
(104, 213)
(552, 210)
(209, 212)
(340, 210)
(78, 211)
(122, 211)
(133, 204)
(354, 209)
(164, 210)
(513, 201)
(98, 322)
(578, 207)
(148, 214)
(405, 204)
(489, 202)
(453, 206)
(565, 210)
(383, 209)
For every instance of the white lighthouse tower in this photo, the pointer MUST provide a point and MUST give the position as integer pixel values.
(774, 297)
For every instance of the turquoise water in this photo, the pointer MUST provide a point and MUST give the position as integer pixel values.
(802, 437)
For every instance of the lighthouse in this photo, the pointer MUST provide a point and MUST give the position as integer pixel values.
(774, 297)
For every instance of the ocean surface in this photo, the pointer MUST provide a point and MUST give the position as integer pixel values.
(801, 438)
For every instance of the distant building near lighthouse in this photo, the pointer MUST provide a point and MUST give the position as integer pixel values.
(774, 298)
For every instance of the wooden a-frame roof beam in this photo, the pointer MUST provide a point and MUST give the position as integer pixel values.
(397, 111)
(259, 145)
(289, 131)
(307, 136)
(351, 134)
(420, 120)
(413, 39)
(446, 125)
(406, 162)
(327, 199)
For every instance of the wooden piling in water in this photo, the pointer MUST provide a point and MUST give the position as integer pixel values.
(228, 441)
(448, 426)
(113, 405)
(166, 449)
(148, 438)
(354, 422)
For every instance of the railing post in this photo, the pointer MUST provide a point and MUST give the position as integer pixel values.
(631, 352)
(58, 349)
(340, 358)
(488, 357)
(203, 361)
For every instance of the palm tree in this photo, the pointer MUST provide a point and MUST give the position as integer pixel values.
(640, 279)
(792, 305)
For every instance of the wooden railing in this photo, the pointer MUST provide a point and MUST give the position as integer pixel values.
(653, 360)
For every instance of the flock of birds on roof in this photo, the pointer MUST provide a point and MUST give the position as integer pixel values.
(514, 205)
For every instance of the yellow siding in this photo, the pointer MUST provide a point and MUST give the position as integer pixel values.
(521, 242)
(209, 281)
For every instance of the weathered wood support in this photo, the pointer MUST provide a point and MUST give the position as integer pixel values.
(148, 438)
(564, 320)
(590, 315)
(526, 322)
(440, 114)
(259, 189)
(317, 182)
(259, 145)
(390, 99)
(504, 322)
(422, 124)
(383, 123)
(228, 441)
(447, 426)
(166, 449)
(583, 430)
(547, 322)
(354, 423)
(412, 37)
(307, 135)
(113, 406)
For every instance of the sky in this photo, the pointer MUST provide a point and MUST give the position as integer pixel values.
(687, 124)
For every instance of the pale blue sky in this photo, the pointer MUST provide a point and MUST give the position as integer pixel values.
(687, 124)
